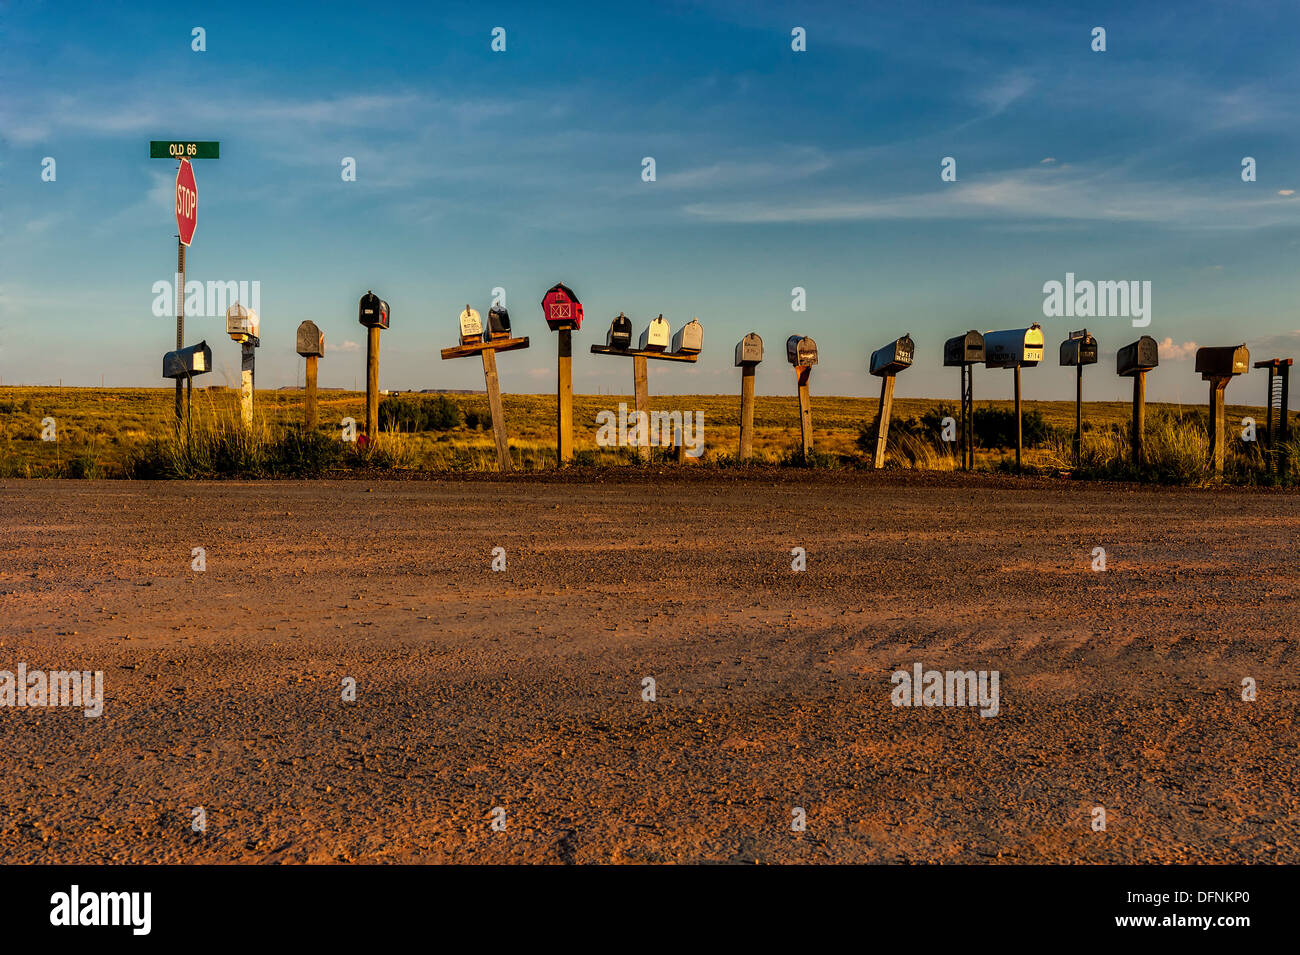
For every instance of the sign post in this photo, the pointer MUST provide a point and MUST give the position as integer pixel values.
(187, 218)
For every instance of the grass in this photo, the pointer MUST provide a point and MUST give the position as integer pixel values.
(115, 432)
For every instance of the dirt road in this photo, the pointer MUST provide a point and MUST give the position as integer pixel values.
(523, 688)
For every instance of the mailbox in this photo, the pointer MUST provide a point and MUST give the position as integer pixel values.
(374, 311)
(1141, 355)
(749, 350)
(965, 349)
(801, 351)
(561, 308)
(311, 340)
(242, 324)
(1013, 348)
(1222, 362)
(498, 323)
(471, 326)
(188, 362)
(620, 332)
(656, 334)
(1079, 349)
(689, 338)
(893, 358)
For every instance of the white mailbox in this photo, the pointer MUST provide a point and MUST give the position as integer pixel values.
(656, 335)
(471, 326)
(1016, 347)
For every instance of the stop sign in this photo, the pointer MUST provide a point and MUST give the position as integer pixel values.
(187, 202)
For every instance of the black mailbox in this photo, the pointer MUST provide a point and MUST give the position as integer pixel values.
(374, 311)
(965, 349)
(620, 332)
(1141, 355)
(188, 362)
(1079, 349)
(893, 358)
(498, 323)
(1223, 361)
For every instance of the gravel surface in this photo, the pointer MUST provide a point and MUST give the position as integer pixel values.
(523, 689)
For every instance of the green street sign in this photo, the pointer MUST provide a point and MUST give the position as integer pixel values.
(183, 149)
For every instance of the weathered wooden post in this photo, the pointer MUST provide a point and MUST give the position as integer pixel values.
(244, 326)
(311, 346)
(749, 353)
(1078, 350)
(182, 365)
(1279, 370)
(373, 314)
(655, 341)
(1014, 349)
(1219, 365)
(801, 352)
(474, 339)
(886, 363)
(563, 313)
(1134, 360)
(966, 351)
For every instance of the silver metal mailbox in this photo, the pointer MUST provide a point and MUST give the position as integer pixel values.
(689, 338)
(1014, 347)
(188, 362)
(894, 357)
(749, 350)
(1141, 355)
(620, 332)
(471, 326)
(498, 323)
(801, 351)
(965, 349)
(243, 324)
(1079, 349)
(656, 335)
(311, 340)
(1222, 361)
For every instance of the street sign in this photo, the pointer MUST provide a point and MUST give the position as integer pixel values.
(183, 149)
(187, 202)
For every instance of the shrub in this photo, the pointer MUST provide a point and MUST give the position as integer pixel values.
(419, 413)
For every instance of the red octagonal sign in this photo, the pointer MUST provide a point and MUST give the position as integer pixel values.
(187, 202)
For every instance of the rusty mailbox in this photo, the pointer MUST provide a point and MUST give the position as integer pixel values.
(964, 352)
(1137, 358)
(187, 362)
(1219, 365)
(620, 333)
(498, 325)
(689, 339)
(801, 351)
(471, 326)
(749, 350)
(311, 340)
(656, 335)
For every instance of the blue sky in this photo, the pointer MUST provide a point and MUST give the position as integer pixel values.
(775, 169)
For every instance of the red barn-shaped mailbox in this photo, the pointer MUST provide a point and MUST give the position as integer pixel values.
(561, 308)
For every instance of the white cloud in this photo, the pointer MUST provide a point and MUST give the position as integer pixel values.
(1174, 352)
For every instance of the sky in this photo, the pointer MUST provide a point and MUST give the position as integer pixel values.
(775, 169)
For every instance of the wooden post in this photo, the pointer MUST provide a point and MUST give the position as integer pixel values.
(1020, 439)
(803, 373)
(311, 413)
(564, 398)
(747, 412)
(882, 419)
(246, 383)
(372, 384)
(494, 403)
(681, 443)
(1218, 435)
(641, 389)
(1139, 418)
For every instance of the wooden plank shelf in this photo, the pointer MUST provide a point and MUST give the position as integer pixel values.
(637, 353)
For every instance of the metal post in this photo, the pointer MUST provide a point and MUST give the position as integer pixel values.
(1078, 412)
(746, 412)
(564, 398)
(180, 315)
(1019, 430)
